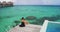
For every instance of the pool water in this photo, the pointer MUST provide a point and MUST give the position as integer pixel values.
(10, 14)
(53, 27)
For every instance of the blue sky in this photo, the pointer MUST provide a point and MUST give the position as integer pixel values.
(35, 2)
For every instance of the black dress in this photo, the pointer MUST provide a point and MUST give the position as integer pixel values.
(22, 24)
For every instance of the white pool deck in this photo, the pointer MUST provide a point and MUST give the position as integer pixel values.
(28, 28)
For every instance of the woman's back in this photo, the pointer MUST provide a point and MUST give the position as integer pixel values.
(22, 24)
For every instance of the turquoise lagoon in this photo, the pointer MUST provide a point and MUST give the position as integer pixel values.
(10, 14)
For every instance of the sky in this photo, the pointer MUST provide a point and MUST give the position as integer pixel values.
(6, 0)
(35, 2)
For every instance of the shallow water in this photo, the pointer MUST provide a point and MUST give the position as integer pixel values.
(10, 14)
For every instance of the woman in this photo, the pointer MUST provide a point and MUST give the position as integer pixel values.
(23, 23)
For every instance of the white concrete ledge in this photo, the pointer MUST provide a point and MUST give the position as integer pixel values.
(28, 28)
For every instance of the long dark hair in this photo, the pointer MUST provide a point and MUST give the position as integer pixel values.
(22, 18)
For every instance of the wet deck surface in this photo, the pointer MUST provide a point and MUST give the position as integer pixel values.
(28, 28)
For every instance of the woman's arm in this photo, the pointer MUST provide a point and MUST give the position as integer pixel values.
(26, 22)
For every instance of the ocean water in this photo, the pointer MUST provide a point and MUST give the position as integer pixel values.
(10, 14)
